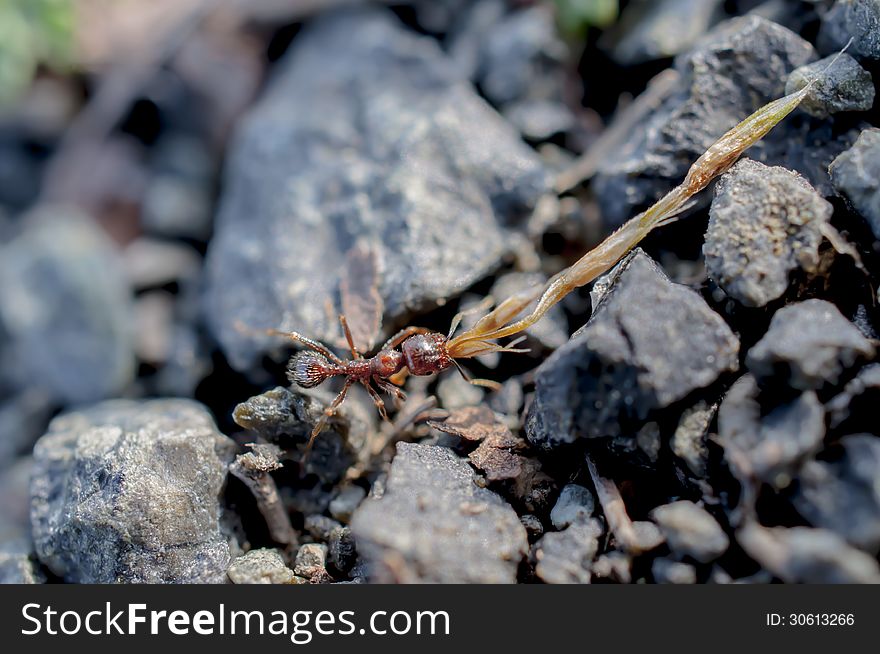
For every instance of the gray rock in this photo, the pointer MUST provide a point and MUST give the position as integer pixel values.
(18, 566)
(129, 491)
(843, 496)
(845, 86)
(311, 560)
(856, 175)
(66, 310)
(434, 524)
(765, 223)
(344, 504)
(741, 65)
(649, 343)
(691, 531)
(15, 520)
(811, 556)
(667, 571)
(565, 557)
(808, 345)
(368, 133)
(773, 447)
(614, 565)
(574, 506)
(263, 566)
(24, 416)
(689, 440)
(858, 401)
(856, 19)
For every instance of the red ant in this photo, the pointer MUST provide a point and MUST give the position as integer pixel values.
(422, 352)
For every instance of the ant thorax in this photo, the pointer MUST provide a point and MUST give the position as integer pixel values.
(426, 354)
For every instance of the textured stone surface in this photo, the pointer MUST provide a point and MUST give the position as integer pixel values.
(434, 524)
(263, 566)
(129, 491)
(808, 345)
(388, 145)
(691, 531)
(845, 86)
(765, 222)
(856, 175)
(649, 343)
(565, 557)
(575, 505)
(856, 19)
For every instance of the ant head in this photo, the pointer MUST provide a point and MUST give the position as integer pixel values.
(308, 369)
(387, 363)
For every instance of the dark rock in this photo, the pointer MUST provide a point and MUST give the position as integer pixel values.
(689, 440)
(649, 343)
(691, 531)
(565, 557)
(341, 550)
(765, 222)
(845, 86)
(19, 566)
(773, 447)
(263, 566)
(129, 491)
(856, 19)
(667, 571)
(66, 310)
(434, 524)
(574, 506)
(429, 176)
(729, 74)
(533, 525)
(843, 496)
(811, 556)
(808, 345)
(856, 175)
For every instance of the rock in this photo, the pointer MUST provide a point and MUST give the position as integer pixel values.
(740, 66)
(649, 343)
(564, 557)
(856, 175)
(808, 345)
(691, 531)
(434, 524)
(24, 416)
(845, 86)
(856, 19)
(689, 440)
(18, 566)
(367, 133)
(843, 495)
(667, 571)
(15, 520)
(765, 223)
(320, 527)
(341, 550)
(616, 566)
(660, 29)
(773, 447)
(263, 566)
(66, 310)
(574, 506)
(810, 556)
(533, 525)
(128, 491)
(311, 560)
(857, 404)
(346, 501)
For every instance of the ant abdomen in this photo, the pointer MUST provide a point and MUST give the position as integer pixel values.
(308, 369)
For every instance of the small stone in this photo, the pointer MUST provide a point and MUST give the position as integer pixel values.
(434, 524)
(856, 19)
(311, 560)
(691, 531)
(845, 86)
(667, 571)
(809, 556)
(843, 496)
(773, 447)
(647, 536)
(263, 566)
(765, 223)
(689, 439)
(616, 566)
(346, 501)
(855, 407)
(533, 525)
(565, 557)
(130, 491)
(648, 344)
(808, 345)
(320, 527)
(341, 550)
(19, 566)
(856, 175)
(574, 506)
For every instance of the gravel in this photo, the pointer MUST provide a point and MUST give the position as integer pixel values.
(856, 19)
(262, 566)
(855, 174)
(845, 86)
(565, 557)
(574, 506)
(691, 531)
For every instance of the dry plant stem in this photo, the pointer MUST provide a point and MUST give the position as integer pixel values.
(614, 509)
(269, 503)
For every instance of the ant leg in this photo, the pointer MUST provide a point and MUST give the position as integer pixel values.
(404, 334)
(329, 412)
(380, 405)
(295, 337)
(345, 330)
(390, 388)
(484, 304)
(485, 383)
